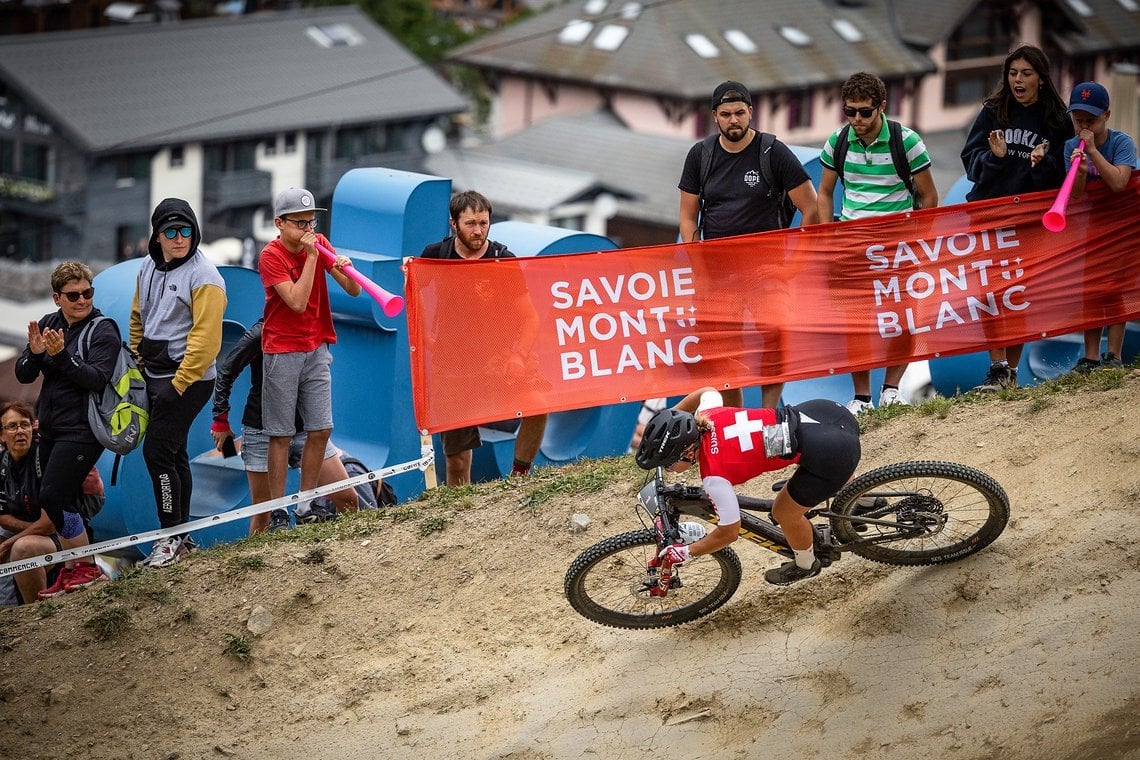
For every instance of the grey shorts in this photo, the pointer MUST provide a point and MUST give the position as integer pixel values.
(255, 449)
(297, 383)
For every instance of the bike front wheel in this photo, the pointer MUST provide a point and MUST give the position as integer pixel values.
(936, 512)
(610, 583)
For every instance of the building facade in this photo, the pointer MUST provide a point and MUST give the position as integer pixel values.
(221, 112)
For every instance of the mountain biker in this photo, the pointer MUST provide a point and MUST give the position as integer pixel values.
(733, 445)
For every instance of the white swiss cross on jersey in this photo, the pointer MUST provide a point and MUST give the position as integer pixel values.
(734, 448)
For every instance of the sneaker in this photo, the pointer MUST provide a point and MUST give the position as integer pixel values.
(1109, 360)
(57, 588)
(864, 505)
(1086, 366)
(891, 396)
(857, 407)
(789, 572)
(319, 511)
(278, 520)
(168, 551)
(997, 378)
(84, 574)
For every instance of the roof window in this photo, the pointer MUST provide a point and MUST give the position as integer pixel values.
(334, 35)
(610, 37)
(1128, 5)
(847, 30)
(1081, 7)
(741, 41)
(630, 11)
(702, 45)
(595, 7)
(575, 32)
(795, 36)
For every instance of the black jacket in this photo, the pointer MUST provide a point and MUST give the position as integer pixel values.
(68, 381)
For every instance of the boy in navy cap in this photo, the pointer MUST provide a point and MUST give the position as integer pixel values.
(1108, 156)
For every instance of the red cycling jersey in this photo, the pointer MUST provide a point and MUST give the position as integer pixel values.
(734, 448)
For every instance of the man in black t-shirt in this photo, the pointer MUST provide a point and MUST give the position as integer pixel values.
(735, 199)
(470, 222)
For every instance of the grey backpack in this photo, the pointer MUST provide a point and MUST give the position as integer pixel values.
(120, 412)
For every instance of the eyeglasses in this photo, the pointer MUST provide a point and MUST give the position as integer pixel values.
(866, 113)
(303, 224)
(12, 427)
(174, 232)
(75, 295)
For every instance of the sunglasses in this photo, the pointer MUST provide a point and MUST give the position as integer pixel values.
(75, 295)
(866, 113)
(303, 224)
(174, 232)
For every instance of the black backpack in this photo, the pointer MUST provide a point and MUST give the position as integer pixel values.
(898, 157)
(785, 209)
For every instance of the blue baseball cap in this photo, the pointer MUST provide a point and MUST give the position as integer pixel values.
(1089, 96)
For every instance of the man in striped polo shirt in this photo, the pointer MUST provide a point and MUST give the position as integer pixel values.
(873, 186)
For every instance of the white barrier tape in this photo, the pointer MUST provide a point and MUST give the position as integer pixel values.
(427, 458)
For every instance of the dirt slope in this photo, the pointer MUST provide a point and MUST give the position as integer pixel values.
(460, 644)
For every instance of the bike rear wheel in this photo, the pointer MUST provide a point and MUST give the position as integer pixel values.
(609, 584)
(941, 512)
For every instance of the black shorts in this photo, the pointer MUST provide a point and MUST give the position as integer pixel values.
(459, 440)
(829, 452)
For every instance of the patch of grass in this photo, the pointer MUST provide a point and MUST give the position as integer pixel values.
(939, 407)
(47, 609)
(455, 498)
(238, 647)
(432, 524)
(405, 512)
(138, 585)
(109, 623)
(241, 564)
(1038, 404)
(571, 480)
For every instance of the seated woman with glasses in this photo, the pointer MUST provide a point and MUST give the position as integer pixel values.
(68, 448)
(26, 529)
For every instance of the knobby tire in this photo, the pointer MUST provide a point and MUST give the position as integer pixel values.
(606, 584)
(965, 509)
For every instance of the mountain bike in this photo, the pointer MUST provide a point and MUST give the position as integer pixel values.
(908, 513)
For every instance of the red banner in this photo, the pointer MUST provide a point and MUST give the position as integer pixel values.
(492, 340)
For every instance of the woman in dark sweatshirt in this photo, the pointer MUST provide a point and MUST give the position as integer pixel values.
(1016, 145)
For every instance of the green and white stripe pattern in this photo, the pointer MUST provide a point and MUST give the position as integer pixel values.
(871, 185)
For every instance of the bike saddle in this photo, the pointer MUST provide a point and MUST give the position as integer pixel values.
(778, 486)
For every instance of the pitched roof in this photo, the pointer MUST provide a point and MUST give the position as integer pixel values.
(133, 87)
(514, 185)
(654, 56)
(643, 168)
(1107, 27)
(1077, 27)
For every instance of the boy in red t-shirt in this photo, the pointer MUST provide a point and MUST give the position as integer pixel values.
(296, 337)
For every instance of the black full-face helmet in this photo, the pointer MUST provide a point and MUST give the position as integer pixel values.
(668, 435)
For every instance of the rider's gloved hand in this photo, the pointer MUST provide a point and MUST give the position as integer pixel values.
(675, 554)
